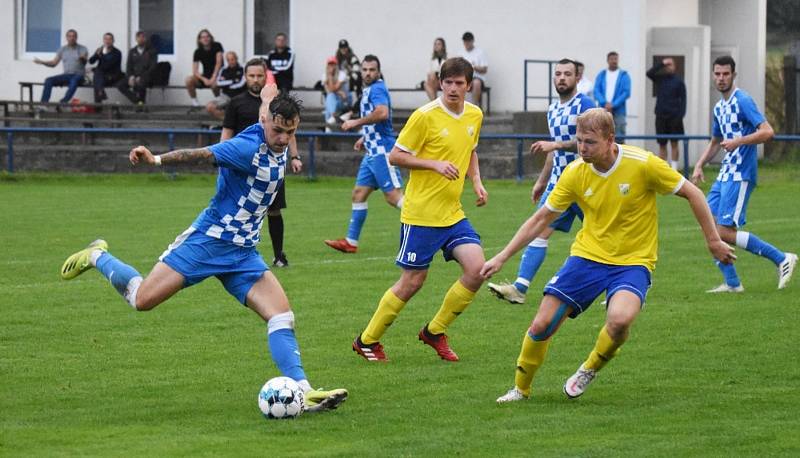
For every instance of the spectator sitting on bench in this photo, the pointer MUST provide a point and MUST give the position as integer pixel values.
(431, 84)
(337, 93)
(74, 57)
(142, 60)
(108, 70)
(209, 54)
(232, 82)
(480, 63)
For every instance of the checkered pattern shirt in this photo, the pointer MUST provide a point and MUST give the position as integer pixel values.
(562, 120)
(379, 138)
(737, 117)
(249, 177)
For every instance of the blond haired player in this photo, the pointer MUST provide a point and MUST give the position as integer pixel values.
(615, 250)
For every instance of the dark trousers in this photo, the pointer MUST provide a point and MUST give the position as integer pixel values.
(101, 81)
(135, 93)
(71, 80)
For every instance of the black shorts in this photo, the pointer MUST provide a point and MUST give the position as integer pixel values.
(668, 126)
(280, 199)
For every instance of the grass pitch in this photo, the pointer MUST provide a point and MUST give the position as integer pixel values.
(82, 374)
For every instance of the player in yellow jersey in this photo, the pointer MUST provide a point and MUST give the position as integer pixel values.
(615, 250)
(438, 144)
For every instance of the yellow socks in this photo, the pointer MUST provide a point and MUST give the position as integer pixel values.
(388, 308)
(530, 359)
(604, 350)
(457, 299)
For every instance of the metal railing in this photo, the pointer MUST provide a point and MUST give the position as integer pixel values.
(550, 97)
(312, 137)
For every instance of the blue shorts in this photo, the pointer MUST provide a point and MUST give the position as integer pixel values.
(197, 256)
(728, 201)
(419, 244)
(564, 221)
(580, 281)
(375, 172)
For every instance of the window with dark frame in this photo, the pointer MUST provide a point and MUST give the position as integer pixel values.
(42, 25)
(156, 19)
(271, 17)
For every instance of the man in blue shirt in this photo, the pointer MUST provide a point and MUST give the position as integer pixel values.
(738, 128)
(612, 87)
(377, 137)
(670, 106)
(221, 241)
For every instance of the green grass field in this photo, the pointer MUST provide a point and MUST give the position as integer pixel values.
(82, 374)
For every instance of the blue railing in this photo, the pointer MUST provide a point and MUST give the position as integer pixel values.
(312, 137)
(550, 97)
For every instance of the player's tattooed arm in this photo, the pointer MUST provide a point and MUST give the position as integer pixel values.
(188, 156)
(141, 154)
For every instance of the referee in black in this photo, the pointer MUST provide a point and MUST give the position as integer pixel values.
(241, 113)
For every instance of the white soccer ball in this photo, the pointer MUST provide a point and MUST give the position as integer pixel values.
(281, 398)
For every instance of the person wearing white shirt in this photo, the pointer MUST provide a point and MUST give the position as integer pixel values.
(480, 64)
(585, 85)
(431, 84)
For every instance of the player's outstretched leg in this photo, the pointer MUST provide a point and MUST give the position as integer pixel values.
(552, 312)
(267, 298)
(732, 284)
(457, 299)
(785, 262)
(125, 279)
(623, 308)
(532, 259)
(367, 344)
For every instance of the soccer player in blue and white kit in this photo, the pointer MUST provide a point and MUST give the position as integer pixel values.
(562, 119)
(221, 242)
(738, 128)
(378, 138)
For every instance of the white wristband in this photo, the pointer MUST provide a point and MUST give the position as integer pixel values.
(157, 160)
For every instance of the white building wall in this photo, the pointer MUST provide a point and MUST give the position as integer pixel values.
(402, 33)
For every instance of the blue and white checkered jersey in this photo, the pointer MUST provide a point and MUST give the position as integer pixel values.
(562, 120)
(737, 117)
(379, 138)
(249, 177)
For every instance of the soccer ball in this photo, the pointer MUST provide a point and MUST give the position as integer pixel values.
(281, 398)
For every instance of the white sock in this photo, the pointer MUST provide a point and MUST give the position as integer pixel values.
(742, 237)
(195, 102)
(131, 290)
(305, 386)
(94, 255)
(674, 165)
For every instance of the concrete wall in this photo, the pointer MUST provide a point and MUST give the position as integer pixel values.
(402, 33)
(740, 25)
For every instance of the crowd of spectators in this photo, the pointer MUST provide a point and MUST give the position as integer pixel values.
(341, 83)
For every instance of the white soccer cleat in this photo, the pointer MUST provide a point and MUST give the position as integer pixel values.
(576, 385)
(726, 288)
(513, 395)
(785, 270)
(507, 291)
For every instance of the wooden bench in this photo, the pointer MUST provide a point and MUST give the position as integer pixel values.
(28, 85)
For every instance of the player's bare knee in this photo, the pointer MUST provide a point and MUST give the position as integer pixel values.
(539, 328)
(727, 233)
(360, 195)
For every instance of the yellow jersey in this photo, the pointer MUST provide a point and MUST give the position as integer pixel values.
(434, 132)
(620, 223)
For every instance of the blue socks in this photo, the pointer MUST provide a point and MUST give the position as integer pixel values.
(759, 247)
(123, 277)
(283, 346)
(529, 264)
(729, 272)
(357, 219)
